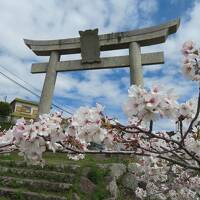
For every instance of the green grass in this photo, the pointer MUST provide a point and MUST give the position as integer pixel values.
(61, 159)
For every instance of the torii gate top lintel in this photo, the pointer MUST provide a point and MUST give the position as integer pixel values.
(120, 40)
(89, 44)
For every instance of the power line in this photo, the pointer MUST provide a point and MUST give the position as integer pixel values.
(27, 83)
(33, 93)
(25, 88)
(19, 78)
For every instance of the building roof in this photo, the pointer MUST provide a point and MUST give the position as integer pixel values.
(24, 101)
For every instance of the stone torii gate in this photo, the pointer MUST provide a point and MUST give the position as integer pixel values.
(89, 44)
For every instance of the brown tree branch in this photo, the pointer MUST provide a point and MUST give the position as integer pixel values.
(194, 119)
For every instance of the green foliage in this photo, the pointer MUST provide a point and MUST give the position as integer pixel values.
(5, 125)
(5, 108)
(19, 196)
(96, 175)
(100, 192)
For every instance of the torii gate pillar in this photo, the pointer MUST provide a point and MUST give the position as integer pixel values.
(136, 75)
(49, 84)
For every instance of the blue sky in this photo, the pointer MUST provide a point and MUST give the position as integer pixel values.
(56, 19)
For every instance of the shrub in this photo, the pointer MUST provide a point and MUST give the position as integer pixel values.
(5, 109)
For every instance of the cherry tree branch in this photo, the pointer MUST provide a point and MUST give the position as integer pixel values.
(179, 163)
(194, 119)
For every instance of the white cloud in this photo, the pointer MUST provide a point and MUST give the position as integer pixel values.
(148, 7)
(171, 70)
(188, 30)
(95, 84)
(51, 19)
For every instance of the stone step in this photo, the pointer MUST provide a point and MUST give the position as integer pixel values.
(37, 174)
(34, 185)
(14, 194)
(52, 167)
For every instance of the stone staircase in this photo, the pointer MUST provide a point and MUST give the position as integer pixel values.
(19, 181)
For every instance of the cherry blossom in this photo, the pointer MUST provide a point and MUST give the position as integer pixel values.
(191, 66)
(189, 47)
(168, 162)
(150, 105)
(160, 180)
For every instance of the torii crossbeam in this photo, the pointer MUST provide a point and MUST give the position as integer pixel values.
(89, 44)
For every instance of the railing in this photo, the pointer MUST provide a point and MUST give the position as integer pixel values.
(25, 115)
